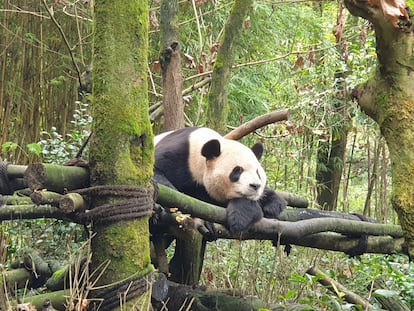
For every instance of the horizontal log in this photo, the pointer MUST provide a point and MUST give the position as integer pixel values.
(72, 202)
(45, 197)
(14, 200)
(58, 299)
(337, 234)
(32, 211)
(16, 171)
(293, 199)
(56, 178)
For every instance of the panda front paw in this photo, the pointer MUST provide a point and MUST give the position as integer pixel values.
(209, 231)
(242, 214)
(271, 203)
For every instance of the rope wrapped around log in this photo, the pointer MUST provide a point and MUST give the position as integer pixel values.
(138, 203)
(110, 297)
(134, 202)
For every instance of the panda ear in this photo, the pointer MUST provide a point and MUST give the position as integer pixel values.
(258, 150)
(211, 149)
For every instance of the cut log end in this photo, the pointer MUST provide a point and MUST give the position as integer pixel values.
(35, 176)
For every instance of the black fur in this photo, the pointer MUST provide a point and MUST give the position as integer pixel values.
(211, 149)
(172, 169)
(236, 173)
(258, 150)
(242, 214)
(272, 204)
(171, 165)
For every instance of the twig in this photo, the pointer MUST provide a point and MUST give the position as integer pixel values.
(196, 85)
(263, 61)
(24, 12)
(65, 40)
(200, 37)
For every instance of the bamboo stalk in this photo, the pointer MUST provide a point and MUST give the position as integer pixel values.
(56, 178)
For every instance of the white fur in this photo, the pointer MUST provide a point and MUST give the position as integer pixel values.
(158, 137)
(214, 174)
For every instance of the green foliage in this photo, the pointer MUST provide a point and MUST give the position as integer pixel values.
(9, 148)
(396, 270)
(258, 268)
(55, 148)
(52, 238)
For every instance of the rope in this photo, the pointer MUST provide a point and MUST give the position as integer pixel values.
(4, 179)
(132, 202)
(111, 297)
(138, 203)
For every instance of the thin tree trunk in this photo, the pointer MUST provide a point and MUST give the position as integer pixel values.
(172, 77)
(217, 110)
(331, 154)
(372, 178)
(384, 184)
(122, 145)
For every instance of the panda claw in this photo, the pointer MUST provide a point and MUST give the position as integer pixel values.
(209, 231)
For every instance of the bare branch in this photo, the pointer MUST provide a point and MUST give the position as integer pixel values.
(256, 123)
(339, 289)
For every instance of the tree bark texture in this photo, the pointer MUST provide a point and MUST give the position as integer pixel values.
(122, 145)
(388, 98)
(217, 110)
(329, 172)
(331, 153)
(170, 59)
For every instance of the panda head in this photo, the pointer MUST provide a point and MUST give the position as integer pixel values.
(233, 170)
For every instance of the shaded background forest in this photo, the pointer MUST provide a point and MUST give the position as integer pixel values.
(289, 56)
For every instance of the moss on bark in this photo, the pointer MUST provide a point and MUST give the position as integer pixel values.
(388, 98)
(122, 132)
(217, 110)
(122, 144)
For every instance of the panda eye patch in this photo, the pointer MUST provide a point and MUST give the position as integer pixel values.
(235, 173)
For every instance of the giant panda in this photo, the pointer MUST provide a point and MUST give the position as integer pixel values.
(201, 163)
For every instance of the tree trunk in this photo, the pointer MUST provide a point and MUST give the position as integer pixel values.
(217, 110)
(329, 171)
(172, 77)
(122, 145)
(331, 154)
(388, 98)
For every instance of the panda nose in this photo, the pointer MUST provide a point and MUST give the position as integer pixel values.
(254, 186)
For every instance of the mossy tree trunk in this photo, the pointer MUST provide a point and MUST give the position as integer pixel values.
(170, 59)
(217, 110)
(122, 144)
(388, 97)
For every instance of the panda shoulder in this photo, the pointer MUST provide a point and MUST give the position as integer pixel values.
(158, 137)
